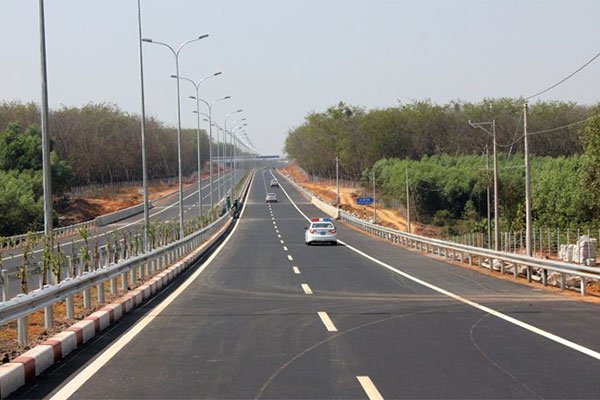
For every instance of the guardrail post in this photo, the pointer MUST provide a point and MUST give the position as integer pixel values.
(5, 285)
(100, 289)
(583, 283)
(69, 266)
(87, 299)
(545, 277)
(132, 276)
(562, 281)
(124, 281)
(22, 331)
(515, 270)
(70, 306)
(470, 260)
(529, 273)
(113, 286)
(48, 317)
(502, 267)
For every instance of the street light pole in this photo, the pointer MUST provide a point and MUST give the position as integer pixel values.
(197, 98)
(46, 169)
(143, 132)
(225, 129)
(210, 125)
(179, 162)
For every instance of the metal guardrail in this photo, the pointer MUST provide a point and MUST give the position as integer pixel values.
(13, 242)
(493, 260)
(19, 307)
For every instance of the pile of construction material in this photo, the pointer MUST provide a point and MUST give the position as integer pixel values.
(583, 252)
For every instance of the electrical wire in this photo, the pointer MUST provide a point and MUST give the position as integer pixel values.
(564, 79)
(558, 127)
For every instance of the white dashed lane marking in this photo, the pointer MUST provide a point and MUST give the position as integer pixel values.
(296, 270)
(369, 388)
(306, 288)
(290, 258)
(327, 321)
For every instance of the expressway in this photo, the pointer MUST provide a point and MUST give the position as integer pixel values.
(266, 316)
(164, 210)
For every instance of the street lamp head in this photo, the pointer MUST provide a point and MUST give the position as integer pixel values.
(217, 73)
(195, 112)
(203, 36)
(173, 76)
(226, 97)
(147, 40)
(193, 97)
(240, 110)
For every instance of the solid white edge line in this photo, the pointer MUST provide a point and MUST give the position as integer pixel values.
(327, 321)
(78, 381)
(498, 314)
(306, 288)
(296, 270)
(369, 388)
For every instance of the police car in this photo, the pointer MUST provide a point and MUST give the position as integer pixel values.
(321, 230)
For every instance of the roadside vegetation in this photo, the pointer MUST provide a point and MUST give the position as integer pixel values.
(93, 144)
(446, 162)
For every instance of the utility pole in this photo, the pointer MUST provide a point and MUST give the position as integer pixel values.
(47, 172)
(496, 215)
(143, 131)
(374, 201)
(407, 203)
(527, 186)
(489, 206)
(337, 181)
(484, 127)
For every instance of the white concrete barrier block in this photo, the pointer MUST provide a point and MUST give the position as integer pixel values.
(12, 377)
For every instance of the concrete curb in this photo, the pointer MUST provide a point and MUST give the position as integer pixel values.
(26, 367)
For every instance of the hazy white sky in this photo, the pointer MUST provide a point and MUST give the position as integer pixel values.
(284, 58)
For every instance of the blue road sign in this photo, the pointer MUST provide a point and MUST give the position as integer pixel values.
(364, 201)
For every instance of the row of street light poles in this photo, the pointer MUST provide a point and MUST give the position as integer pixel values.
(222, 157)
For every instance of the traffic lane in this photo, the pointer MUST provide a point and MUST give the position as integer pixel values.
(231, 332)
(567, 317)
(436, 340)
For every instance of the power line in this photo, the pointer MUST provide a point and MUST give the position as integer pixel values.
(559, 127)
(564, 79)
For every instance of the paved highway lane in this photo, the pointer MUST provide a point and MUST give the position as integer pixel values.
(269, 317)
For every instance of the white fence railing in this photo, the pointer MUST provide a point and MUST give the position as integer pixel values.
(564, 275)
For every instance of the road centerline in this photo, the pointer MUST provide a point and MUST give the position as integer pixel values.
(327, 321)
(369, 388)
(306, 288)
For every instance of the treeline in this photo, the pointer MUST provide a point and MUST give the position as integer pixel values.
(360, 137)
(21, 201)
(102, 143)
(451, 191)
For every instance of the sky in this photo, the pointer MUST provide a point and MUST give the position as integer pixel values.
(282, 59)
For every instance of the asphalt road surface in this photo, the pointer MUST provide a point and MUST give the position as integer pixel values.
(268, 317)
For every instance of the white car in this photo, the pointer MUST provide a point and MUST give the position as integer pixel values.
(320, 230)
(271, 198)
(274, 182)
